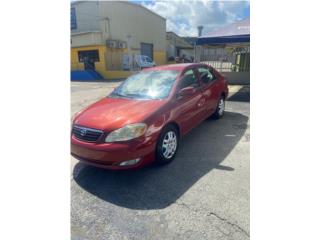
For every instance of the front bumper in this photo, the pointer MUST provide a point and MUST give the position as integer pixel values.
(110, 155)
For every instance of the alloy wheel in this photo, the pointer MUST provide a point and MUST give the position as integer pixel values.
(169, 144)
(221, 106)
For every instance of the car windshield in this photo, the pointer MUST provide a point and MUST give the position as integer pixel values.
(147, 85)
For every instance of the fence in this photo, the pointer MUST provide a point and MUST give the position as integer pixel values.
(225, 58)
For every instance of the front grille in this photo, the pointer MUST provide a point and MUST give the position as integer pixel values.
(86, 134)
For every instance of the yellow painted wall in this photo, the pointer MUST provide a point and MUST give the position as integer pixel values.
(76, 65)
(159, 58)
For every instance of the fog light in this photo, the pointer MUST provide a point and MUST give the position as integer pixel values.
(130, 162)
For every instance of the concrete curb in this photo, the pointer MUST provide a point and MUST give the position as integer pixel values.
(239, 88)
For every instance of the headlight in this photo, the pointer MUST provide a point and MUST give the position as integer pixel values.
(126, 133)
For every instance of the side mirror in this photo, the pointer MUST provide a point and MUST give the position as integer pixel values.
(187, 91)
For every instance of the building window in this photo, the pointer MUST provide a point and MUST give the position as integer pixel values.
(73, 19)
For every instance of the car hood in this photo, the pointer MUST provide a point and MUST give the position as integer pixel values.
(113, 113)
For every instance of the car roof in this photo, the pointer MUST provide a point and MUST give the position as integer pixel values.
(178, 66)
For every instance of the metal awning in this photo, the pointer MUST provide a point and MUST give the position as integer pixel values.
(238, 32)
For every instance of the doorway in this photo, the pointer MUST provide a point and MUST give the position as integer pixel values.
(147, 49)
(89, 58)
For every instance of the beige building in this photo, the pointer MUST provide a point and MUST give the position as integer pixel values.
(177, 47)
(103, 32)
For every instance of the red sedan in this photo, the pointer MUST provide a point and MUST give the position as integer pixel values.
(142, 120)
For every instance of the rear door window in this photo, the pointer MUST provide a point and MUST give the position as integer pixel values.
(206, 75)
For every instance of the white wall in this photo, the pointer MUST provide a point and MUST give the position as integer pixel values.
(124, 19)
(87, 15)
(84, 39)
(137, 21)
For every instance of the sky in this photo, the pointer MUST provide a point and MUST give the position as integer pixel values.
(184, 16)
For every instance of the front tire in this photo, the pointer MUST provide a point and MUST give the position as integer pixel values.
(167, 145)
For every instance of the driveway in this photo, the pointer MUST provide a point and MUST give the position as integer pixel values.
(202, 194)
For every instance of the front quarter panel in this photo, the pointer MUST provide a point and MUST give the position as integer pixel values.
(159, 119)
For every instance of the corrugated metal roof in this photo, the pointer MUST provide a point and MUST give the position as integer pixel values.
(235, 32)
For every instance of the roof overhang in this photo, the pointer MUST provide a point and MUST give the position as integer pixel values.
(84, 33)
(224, 39)
(237, 32)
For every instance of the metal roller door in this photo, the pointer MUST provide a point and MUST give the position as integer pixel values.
(147, 49)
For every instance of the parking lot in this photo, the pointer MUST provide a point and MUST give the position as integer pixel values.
(203, 194)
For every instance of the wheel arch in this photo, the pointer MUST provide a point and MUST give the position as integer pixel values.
(175, 124)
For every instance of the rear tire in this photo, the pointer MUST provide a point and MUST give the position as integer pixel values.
(167, 145)
(218, 113)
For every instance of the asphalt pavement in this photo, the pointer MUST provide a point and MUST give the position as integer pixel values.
(203, 194)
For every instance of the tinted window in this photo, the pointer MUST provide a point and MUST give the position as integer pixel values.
(189, 79)
(206, 75)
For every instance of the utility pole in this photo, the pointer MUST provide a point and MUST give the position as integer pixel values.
(129, 52)
(200, 28)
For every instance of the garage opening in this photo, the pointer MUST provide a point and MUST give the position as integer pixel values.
(146, 49)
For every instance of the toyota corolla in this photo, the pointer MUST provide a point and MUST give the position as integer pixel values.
(142, 120)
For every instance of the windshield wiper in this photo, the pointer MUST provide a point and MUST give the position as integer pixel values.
(137, 95)
(133, 96)
(118, 95)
